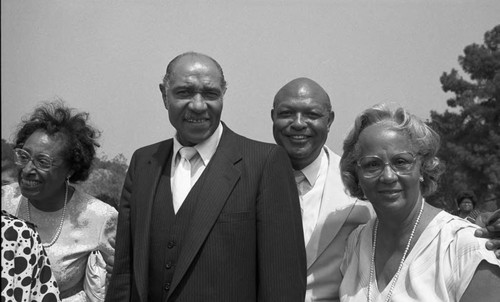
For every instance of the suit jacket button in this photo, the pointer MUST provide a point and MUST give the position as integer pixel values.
(167, 286)
(169, 265)
(171, 244)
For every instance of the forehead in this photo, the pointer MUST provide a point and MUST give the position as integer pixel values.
(41, 142)
(301, 102)
(195, 69)
(381, 139)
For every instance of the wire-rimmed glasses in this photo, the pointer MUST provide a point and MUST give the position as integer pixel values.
(41, 161)
(372, 166)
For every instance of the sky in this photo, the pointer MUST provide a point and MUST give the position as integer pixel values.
(108, 57)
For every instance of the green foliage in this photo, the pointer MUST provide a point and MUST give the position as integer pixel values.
(470, 133)
(9, 168)
(106, 179)
(7, 151)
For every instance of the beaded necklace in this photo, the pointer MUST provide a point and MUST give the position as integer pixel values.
(59, 229)
(372, 262)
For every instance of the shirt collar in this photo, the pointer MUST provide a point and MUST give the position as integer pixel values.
(312, 171)
(205, 149)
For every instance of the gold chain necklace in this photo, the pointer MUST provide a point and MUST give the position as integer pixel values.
(59, 229)
(372, 262)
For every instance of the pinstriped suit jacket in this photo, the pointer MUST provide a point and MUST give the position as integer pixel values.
(245, 242)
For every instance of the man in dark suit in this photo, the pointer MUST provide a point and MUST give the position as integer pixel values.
(236, 235)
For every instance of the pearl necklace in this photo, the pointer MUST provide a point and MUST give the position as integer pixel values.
(59, 229)
(372, 262)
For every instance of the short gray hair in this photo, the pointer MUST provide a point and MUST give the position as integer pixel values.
(425, 140)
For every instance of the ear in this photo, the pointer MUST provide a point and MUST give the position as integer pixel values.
(223, 94)
(163, 95)
(331, 118)
(272, 114)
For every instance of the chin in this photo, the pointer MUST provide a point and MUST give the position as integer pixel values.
(388, 201)
(29, 194)
(298, 152)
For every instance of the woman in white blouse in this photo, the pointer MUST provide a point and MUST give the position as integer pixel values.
(412, 251)
(54, 147)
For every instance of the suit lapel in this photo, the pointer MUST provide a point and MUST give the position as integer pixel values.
(149, 177)
(334, 210)
(221, 177)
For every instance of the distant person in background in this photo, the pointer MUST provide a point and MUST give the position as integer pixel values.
(9, 168)
(26, 272)
(54, 147)
(466, 202)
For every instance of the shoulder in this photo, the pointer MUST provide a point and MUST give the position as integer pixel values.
(458, 235)
(362, 211)
(358, 238)
(11, 196)
(332, 156)
(452, 225)
(456, 252)
(93, 207)
(144, 155)
(11, 190)
(233, 137)
(358, 235)
(249, 148)
(333, 163)
(153, 148)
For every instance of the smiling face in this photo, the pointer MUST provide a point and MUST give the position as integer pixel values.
(389, 190)
(466, 205)
(41, 185)
(193, 98)
(301, 120)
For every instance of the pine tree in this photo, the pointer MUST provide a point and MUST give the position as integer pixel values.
(470, 130)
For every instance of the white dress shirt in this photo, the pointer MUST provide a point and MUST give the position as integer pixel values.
(199, 161)
(310, 200)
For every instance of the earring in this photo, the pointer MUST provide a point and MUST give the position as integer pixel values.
(67, 179)
(421, 179)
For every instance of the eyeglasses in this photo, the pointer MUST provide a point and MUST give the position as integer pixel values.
(401, 163)
(41, 161)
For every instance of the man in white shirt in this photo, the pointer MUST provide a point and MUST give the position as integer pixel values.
(302, 115)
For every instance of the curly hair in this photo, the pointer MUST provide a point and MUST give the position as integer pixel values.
(421, 136)
(466, 194)
(56, 119)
